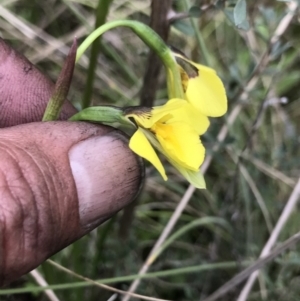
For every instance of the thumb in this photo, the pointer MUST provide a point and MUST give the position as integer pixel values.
(58, 181)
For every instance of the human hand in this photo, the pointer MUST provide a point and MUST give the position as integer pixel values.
(58, 180)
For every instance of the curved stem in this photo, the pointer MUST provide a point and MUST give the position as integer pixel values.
(199, 37)
(151, 39)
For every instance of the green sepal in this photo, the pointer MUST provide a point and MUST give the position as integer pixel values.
(61, 87)
(102, 114)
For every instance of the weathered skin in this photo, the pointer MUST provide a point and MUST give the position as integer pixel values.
(40, 212)
(24, 90)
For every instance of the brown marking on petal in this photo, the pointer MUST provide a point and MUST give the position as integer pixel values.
(177, 52)
(140, 111)
(191, 70)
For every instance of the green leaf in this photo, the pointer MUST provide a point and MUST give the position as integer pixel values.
(195, 11)
(229, 13)
(244, 25)
(288, 81)
(220, 4)
(240, 12)
(240, 15)
(184, 27)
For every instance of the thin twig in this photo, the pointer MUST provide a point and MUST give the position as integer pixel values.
(167, 230)
(60, 267)
(255, 192)
(288, 209)
(35, 274)
(253, 268)
(281, 28)
(32, 32)
(269, 170)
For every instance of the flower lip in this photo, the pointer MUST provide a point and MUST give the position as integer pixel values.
(172, 129)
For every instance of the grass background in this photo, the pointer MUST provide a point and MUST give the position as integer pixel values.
(254, 168)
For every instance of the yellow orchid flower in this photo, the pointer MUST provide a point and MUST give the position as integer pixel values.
(173, 129)
(203, 88)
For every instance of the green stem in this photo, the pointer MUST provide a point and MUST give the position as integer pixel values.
(108, 50)
(185, 270)
(53, 108)
(154, 41)
(101, 13)
(199, 37)
(203, 221)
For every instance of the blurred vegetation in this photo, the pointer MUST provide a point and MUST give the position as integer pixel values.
(252, 173)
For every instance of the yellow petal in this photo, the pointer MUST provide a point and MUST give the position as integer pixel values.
(142, 147)
(188, 114)
(199, 121)
(181, 143)
(206, 92)
(184, 78)
(146, 117)
(159, 112)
